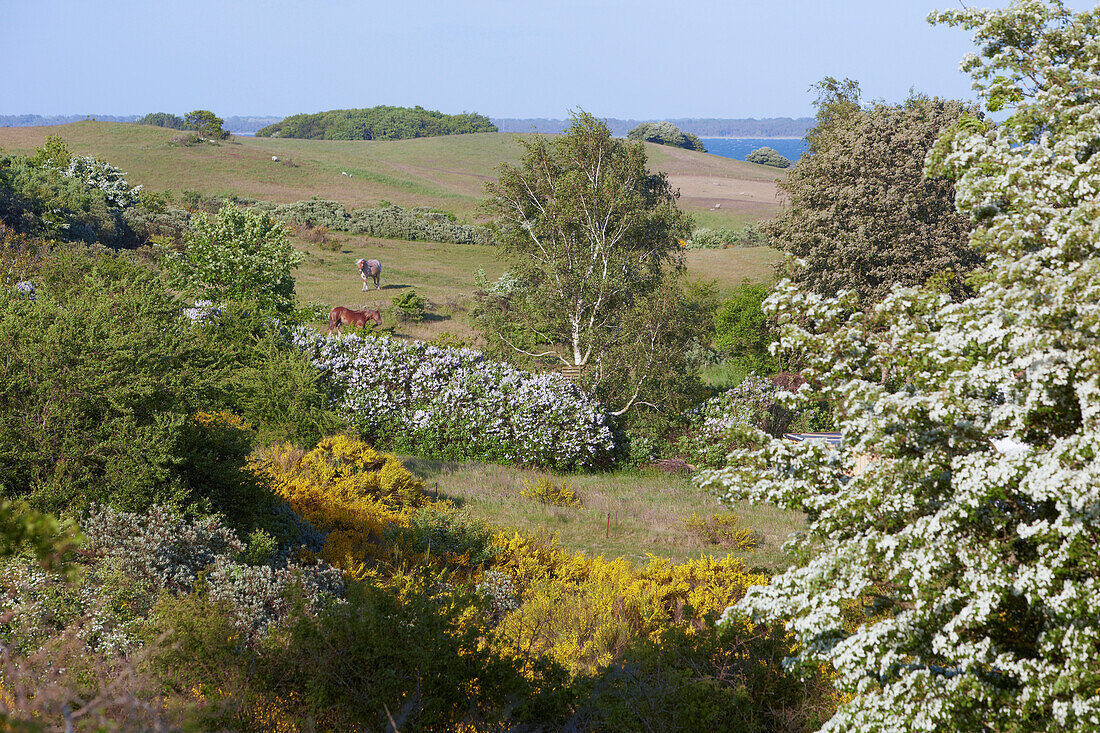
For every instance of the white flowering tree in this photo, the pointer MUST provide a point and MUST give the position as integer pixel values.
(95, 173)
(240, 255)
(955, 584)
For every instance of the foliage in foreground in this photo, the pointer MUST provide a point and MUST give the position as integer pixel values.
(173, 617)
(130, 393)
(972, 539)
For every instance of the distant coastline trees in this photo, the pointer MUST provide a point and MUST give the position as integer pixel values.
(163, 119)
(666, 133)
(377, 123)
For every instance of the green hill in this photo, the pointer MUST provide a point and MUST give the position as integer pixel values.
(446, 172)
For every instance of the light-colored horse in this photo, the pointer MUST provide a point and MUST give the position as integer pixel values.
(371, 269)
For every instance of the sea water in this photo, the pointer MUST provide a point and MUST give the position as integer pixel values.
(790, 148)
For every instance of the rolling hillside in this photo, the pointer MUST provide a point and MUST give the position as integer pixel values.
(443, 172)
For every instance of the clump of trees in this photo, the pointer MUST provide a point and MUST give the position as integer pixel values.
(163, 119)
(952, 584)
(768, 156)
(861, 212)
(666, 133)
(206, 124)
(377, 123)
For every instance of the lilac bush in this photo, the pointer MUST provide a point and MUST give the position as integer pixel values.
(720, 423)
(456, 403)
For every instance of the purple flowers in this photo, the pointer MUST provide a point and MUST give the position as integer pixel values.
(456, 403)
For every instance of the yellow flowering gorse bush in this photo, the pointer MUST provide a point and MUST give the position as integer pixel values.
(582, 611)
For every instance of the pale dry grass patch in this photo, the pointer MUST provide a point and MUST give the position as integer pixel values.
(622, 514)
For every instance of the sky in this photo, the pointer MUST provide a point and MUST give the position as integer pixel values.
(637, 59)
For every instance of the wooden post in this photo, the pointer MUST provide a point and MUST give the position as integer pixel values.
(607, 534)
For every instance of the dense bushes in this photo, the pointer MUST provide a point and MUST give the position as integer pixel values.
(376, 123)
(706, 238)
(44, 201)
(666, 133)
(117, 377)
(418, 224)
(455, 403)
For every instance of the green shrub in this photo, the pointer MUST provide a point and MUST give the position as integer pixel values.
(115, 375)
(410, 306)
(749, 236)
(441, 532)
(239, 255)
(768, 156)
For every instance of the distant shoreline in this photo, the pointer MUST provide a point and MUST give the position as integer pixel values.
(746, 137)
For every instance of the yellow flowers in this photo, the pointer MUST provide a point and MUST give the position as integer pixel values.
(723, 528)
(547, 492)
(583, 611)
(350, 491)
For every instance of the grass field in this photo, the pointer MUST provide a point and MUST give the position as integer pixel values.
(648, 511)
(448, 173)
(444, 274)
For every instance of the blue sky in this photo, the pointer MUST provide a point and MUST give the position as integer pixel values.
(503, 58)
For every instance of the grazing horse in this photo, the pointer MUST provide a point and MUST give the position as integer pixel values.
(341, 316)
(371, 269)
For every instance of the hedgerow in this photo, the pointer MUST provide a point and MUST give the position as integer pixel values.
(456, 404)
(418, 224)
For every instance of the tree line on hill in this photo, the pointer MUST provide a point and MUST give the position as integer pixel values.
(377, 123)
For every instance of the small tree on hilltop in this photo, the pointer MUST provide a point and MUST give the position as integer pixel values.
(241, 255)
(953, 584)
(206, 124)
(592, 235)
(666, 133)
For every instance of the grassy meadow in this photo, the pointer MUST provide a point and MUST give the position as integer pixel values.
(448, 172)
(444, 274)
(623, 514)
(648, 510)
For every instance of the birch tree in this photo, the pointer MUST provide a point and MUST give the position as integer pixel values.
(592, 234)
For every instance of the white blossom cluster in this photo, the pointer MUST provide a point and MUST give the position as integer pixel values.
(104, 176)
(203, 312)
(952, 585)
(456, 403)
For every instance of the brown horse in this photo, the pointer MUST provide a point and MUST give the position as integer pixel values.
(341, 316)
